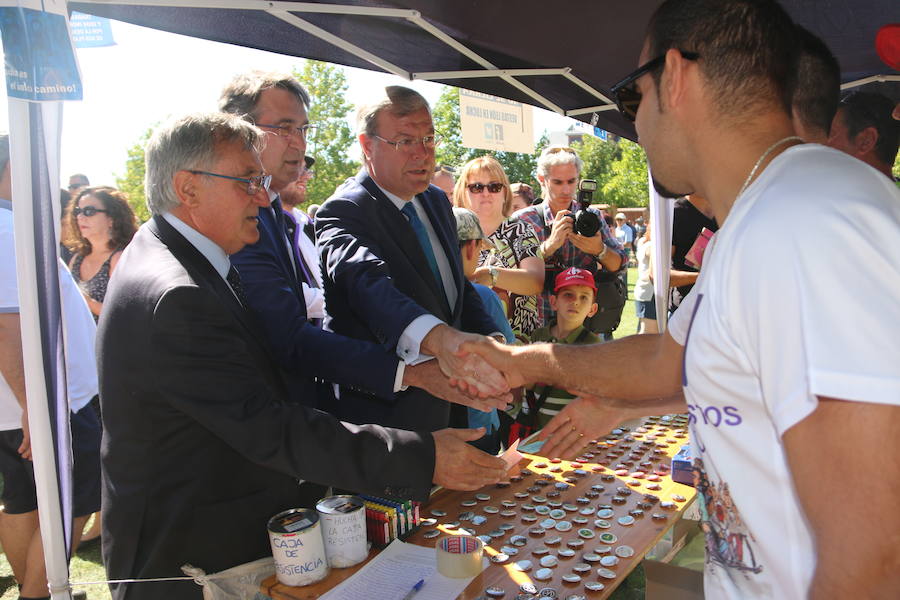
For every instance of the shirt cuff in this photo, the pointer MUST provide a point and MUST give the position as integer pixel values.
(315, 302)
(398, 378)
(408, 347)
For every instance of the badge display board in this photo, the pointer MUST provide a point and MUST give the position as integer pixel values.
(590, 521)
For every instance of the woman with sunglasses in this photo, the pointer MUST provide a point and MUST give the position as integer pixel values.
(514, 266)
(100, 225)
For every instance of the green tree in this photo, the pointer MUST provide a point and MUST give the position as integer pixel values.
(445, 113)
(628, 184)
(132, 182)
(327, 86)
(598, 156)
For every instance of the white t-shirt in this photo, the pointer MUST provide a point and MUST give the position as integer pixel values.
(79, 331)
(797, 299)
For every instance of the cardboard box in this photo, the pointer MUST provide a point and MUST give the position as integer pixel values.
(668, 582)
(682, 466)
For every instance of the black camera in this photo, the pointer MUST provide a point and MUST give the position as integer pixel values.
(586, 222)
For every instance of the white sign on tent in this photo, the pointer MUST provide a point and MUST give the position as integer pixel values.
(493, 123)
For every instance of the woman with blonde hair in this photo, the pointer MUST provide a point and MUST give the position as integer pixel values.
(514, 266)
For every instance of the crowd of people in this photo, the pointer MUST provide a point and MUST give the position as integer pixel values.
(402, 333)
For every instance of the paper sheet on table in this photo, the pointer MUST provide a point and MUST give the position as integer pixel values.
(533, 447)
(512, 456)
(393, 573)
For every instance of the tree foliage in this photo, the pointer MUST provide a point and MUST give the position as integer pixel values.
(628, 185)
(132, 182)
(327, 86)
(451, 152)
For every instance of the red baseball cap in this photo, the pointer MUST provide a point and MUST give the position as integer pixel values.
(574, 276)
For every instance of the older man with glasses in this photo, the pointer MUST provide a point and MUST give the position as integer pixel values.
(559, 172)
(280, 282)
(393, 274)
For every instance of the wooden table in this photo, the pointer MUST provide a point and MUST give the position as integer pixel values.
(604, 462)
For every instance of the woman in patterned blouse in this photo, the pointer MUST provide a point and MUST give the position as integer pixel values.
(100, 225)
(514, 267)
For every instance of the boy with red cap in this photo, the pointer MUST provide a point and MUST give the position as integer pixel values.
(573, 300)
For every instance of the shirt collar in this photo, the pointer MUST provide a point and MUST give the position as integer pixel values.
(569, 339)
(210, 250)
(4, 203)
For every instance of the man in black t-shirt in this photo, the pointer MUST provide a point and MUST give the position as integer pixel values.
(692, 214)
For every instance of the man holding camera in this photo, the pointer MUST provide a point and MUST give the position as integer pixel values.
(587, 244)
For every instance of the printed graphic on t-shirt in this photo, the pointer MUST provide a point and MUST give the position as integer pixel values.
(728, 542)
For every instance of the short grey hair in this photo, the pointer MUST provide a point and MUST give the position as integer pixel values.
(4, 151)
(190, 142)
(241, 95)
(398, 100)
(555, 156)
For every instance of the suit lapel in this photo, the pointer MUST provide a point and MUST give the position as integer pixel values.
(277, 235)
(203, 273)
(401, 232)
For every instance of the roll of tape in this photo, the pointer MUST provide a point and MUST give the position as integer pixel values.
(459, 556)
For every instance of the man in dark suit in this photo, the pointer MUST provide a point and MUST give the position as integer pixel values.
(201, 447)
(391, 263)
(274, 272)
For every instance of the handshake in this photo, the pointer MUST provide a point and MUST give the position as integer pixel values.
(481, 372)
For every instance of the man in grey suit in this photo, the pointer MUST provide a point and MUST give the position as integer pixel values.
(201, 447)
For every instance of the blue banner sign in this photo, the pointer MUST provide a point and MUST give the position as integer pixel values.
(39, 59)
(89, 31)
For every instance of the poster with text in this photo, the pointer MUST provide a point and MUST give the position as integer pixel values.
(38, 55)
(492, 123)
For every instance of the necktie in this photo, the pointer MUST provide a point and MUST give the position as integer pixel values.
(234, 280)
(419, 228)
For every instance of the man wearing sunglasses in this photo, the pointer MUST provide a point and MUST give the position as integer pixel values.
(781, 354)
(276, 276)
(392, 268)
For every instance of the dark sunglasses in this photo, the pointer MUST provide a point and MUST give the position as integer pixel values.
(88, 211)
(626, 94)
(477, 188)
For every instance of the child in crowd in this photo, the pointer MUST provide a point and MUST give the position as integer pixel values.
(471, 239)
(573, 301)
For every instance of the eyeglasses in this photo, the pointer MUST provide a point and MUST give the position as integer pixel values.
(558, 149)
(627, 96)
(88, 211)
(254, 184)
(286, 131)
(408, 144)
(477, 188)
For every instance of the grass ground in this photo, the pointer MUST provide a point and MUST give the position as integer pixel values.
(88, 566)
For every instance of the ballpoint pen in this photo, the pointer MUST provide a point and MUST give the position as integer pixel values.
(414, 589)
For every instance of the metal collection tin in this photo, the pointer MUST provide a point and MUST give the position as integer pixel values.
(343, 530)
(297, 547)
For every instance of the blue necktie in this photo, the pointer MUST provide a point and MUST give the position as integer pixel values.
(419, 228)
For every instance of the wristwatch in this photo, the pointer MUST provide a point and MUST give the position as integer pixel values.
(602, 252)
(494, 274)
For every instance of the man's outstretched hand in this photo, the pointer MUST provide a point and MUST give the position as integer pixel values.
(429, 377)
(499, 356)
(459, 466)
(583, 419)
(477, 376)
